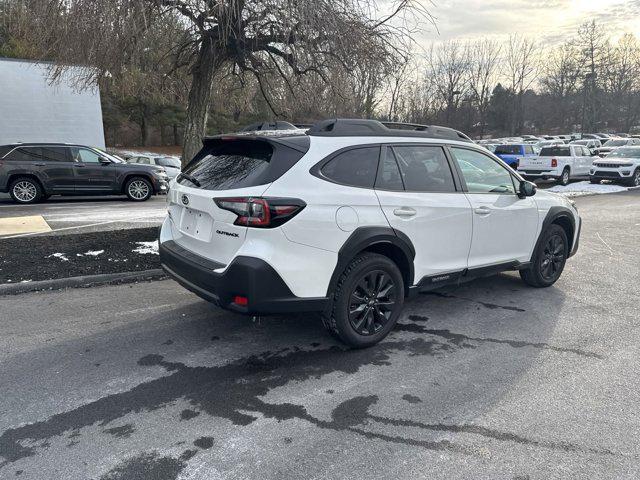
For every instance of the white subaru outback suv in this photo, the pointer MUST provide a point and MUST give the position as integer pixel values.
(352, 217)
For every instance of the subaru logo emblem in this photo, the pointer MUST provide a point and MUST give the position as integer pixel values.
(185, 200)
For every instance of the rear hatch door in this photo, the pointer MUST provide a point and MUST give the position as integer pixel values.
(226, 167)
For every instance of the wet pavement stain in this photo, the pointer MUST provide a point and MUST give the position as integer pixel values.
(228, 391)
(232, 391)
(491, 306)
(187, 414)
(147, 465)
(204, 443)
(125, 431)
(464, 341)
(411, 398)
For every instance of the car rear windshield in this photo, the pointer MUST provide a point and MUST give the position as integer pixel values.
(555, 152)
(225, 164)
(168, 162)
(507, 150)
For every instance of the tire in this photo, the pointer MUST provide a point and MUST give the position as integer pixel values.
(565, 177)
(25, 190)
(549, 258)
(634, 181)
(373, 289)
(594, 181)
(138, 189)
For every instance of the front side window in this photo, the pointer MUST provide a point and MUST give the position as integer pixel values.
(84, 155)
(481, 173)
(424, 168)
(356, 167)
(528, 150)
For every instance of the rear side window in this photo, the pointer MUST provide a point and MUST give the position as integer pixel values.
(238, 163)
(356, 167)
(56, 154)
(555, 152)
(26, 154)
(424, 169)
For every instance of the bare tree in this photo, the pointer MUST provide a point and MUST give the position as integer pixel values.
(447, 64)
(621, 81)
(482, 76)
(560, 78)
(522, 69)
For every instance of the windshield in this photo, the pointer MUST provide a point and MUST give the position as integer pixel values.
(631, 152)
(555, 152)
(507, 150)
(171, 162)
(615, 143)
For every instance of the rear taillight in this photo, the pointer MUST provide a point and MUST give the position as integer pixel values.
(261, 212)
(554, 162)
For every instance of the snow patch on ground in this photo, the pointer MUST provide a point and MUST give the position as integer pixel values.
(61, 256)
(91, 253)
(147, 247)
(579, 189)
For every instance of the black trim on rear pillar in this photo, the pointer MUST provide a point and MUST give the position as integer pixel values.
(249, 277)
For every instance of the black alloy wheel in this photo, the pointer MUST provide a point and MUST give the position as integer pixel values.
(372, 302)
(553, 258)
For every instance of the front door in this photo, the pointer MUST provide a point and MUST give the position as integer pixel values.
(504, 225)
(91, 175)
(419, 198)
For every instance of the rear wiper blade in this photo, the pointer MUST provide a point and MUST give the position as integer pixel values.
(191, 179)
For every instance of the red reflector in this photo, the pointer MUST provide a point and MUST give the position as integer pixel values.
(243, 301)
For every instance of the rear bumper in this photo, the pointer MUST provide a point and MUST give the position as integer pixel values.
(248, 277)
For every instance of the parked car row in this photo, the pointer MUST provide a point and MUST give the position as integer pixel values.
(568, 157)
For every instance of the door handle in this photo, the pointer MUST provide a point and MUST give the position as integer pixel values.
(482, 210)
(79, 165)
(404, 212)
(39, 164)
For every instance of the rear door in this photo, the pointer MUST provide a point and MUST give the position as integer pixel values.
(504, 225)
(51, 164)
(234, 168)
(419, 197)
(91, 175)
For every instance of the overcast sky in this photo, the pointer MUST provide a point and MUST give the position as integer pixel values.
(548, 20)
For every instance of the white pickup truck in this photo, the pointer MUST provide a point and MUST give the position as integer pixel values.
(560, 162)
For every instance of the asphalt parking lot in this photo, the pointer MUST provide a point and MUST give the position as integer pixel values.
(492, 379)
(70, 215)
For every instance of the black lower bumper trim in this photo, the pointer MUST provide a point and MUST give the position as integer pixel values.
(249, 277)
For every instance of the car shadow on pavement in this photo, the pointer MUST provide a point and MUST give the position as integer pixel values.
(453, 356)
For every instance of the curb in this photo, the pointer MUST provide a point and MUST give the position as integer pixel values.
(83, 281)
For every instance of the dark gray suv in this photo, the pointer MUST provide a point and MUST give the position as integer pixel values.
(31, 172)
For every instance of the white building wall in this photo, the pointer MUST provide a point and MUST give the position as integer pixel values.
(32, 109)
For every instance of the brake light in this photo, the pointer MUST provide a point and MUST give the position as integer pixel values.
(554, 162)
(240, 300)
(261, 212)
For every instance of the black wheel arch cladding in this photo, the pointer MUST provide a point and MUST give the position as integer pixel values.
(563, 217)
(383, 240)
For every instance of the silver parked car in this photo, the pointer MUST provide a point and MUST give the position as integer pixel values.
(171, 164)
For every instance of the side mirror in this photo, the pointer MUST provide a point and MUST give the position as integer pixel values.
(527, 189)
(104, 161)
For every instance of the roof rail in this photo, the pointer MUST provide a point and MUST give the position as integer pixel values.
(348, 127)
(277, 125)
